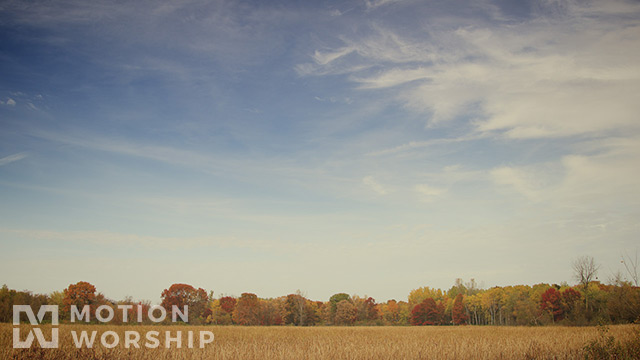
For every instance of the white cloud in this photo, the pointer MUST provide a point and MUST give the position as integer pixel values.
(605, 180)
(547, 77)
(11, 102)
(324, 58)
(374, 185)
(11, 158)
(393, 77)
(429, 193)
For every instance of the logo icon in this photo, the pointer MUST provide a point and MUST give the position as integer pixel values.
(18, 309)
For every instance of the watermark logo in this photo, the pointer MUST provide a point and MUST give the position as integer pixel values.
(109, 338)
(39, 335)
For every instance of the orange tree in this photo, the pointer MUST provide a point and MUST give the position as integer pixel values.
(79, 294)
(182, 295)
(247, 311)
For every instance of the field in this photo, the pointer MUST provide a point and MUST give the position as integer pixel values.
(235, 342)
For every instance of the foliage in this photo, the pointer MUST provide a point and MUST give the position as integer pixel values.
(8, 298)
(427, 313)
(247, 311)
(333, 305)
(464, 303)
(182, 295)
(346, 313)
(552, 302)
(227, 304)
(79, 294)
(418, 295)
(458, 315)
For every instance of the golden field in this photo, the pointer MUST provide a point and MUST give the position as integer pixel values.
(236, 342)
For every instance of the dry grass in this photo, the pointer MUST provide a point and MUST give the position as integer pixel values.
(235, 342)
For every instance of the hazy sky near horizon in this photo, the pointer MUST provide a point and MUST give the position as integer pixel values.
(368, 147)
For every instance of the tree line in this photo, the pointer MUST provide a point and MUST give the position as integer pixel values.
(465, 303)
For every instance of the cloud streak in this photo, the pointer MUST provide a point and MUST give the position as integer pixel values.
(12, 158)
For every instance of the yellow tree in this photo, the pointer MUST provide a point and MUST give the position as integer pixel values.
(418, 295)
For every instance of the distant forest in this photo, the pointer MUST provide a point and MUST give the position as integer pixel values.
(589, 302)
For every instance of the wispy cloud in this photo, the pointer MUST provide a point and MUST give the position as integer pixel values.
(11, 158)
(526, 80)
(374, 185)
(324, 58)
(414, 145)
(429, 193)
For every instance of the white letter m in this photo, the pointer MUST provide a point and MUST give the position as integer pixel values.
(18, 309)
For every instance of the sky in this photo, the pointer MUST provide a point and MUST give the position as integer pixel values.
(369, 147)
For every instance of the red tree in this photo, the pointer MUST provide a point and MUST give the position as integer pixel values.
(551, 301)
(372, 312)
(427, 313)
(182, 295)
(459, 316)
(227, 304)
(570, 298)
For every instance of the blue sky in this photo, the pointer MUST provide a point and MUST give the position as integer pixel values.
(368, 147)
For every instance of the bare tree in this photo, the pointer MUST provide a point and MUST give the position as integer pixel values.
(585, 270)
(631, 265)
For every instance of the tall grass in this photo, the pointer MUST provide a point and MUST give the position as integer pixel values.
(235, 342)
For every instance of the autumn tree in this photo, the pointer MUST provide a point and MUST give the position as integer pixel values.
(314, 312)
(6, 303)
(624, 303)
(79, 294)
(570, 301)
(9, 297)
(296, 309)
(390, 312)
(492, 302)
(247, 311)
(346, 313)
(458, 314)
(427, 313)
(333, 304)
(228, 304)
(418, 295)
(551, 302)
(270, 312)
(56, 298)
(368, 310)
(182, 295)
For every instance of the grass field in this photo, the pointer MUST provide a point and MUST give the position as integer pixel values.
(235, 342)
